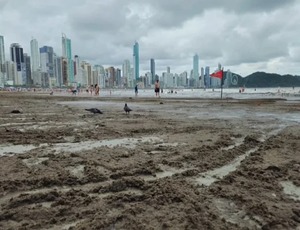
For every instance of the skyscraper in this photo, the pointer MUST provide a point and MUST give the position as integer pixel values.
(152, 70)
(196, 67)
(2, 55)
(35, 55)
(126, 73)
(16, 52)
(58, 70)
(35, 61)
(2, 62)
(27, 64)
(136, 61)
(67, 54)
(47, 65)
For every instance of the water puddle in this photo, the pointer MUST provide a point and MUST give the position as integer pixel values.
(65, 226)
(274, 132)
(238, 142)
(34, 161)
(17, 149)
(41, 204)
(77, 171)
(85, 187)
(127, 192)
(24, 123)
(129, 143)
(209, 177)
(167, 144)
(231, 213)
(167, 171)
(291, 190)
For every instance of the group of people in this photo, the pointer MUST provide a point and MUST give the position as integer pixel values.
(156, 88)
(93, 89)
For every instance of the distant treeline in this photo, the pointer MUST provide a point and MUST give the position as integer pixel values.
(262, 79)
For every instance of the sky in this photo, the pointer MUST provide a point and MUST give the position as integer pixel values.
(245, 36)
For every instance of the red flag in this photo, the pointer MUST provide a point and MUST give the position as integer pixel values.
(218, 74)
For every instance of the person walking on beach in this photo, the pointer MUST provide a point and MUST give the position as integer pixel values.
(97, 90)
(136, 90)
(156, 88)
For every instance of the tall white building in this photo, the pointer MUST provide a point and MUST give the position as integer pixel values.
(35, 62)
(101, 75)
(127, 73)
(47, 65)
(35, 55)
(2, 61)
(196, 70)
(67, 54)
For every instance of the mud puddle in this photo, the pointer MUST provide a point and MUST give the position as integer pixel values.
(291, 190)
(34, 161)
(129, 143)
(18, 149)
(167, 171)
(231, 213)
(209, 177)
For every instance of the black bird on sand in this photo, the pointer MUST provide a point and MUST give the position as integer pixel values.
(16, 111)
(94, 110)
(127, 109)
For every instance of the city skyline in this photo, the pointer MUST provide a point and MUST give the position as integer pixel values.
(245, 37)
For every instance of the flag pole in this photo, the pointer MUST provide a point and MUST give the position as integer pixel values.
(222, 81)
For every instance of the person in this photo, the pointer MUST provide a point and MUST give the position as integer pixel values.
(97, 90)
(136, 90)
(91, 89)
(156, 88)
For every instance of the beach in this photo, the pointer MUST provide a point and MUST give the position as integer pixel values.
(171, 163)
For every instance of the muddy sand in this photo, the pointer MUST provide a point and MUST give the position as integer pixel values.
(169, 164)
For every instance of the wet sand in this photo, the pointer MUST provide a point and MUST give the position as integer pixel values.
(169, 164)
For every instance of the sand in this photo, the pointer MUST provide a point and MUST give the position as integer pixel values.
(170, 164)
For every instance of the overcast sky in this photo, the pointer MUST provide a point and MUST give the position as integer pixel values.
(245, 36)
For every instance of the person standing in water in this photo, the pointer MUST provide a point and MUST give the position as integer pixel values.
(136, 90)
(156, 88)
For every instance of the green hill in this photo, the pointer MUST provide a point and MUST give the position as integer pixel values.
(262, 79)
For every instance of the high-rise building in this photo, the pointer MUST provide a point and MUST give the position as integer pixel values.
(47, 65)
(126, 73)
(101, 75)
(168, 69)
(196, 67)
(2, 55)
(35, 55)
(27, 63)
(207, 77)
(2, 62)
(35, 62)
(152, 70)
(87, 74)
(10, 72)
(202, 83)
(136, 61)
(16, 52)
(118, 81)
(111, 76)
(67, 54)
(58, 70)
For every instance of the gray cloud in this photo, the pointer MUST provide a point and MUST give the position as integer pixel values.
(245, 36)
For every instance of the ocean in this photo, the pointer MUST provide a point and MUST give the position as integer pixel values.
(249, 93)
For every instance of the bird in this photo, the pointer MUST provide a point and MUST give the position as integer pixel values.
(94, 110)
(15, 111)
(127, 109)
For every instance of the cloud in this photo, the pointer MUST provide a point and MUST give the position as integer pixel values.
(246, 36)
